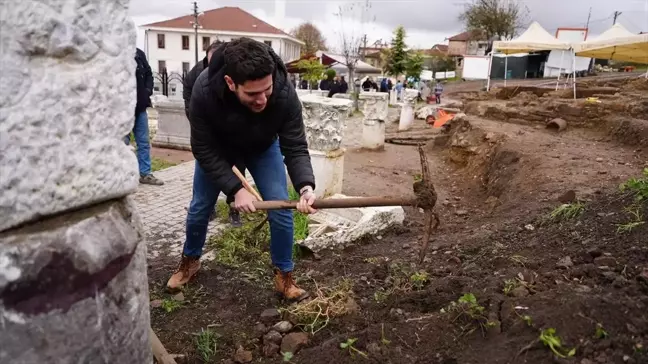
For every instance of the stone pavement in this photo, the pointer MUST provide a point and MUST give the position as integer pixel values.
(163, 210)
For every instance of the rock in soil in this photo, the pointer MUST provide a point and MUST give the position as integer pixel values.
(282, 327)
(293, 342)
(568, 197)
(156, 303)
(260, 330)
(242, 355)
(270, 350)
(374, 349)
(179, 297)
(270, 315)
(519, 292)
(565, 262)
(605, 261)
(272, 337)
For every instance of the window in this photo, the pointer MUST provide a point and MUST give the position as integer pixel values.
(185, 42)
(160, 41)
(206, 42)
(268, 42)
(185, 67)
(161, 66)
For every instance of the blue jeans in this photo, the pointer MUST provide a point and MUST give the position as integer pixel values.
(141, 133)
(269, 174)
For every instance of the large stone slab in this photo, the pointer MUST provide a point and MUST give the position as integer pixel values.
(73, 289)
(375, 105)
(338, 228)
(173, 129)
(325, 121)
(67, 100)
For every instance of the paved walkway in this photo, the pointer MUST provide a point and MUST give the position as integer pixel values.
(163, 209)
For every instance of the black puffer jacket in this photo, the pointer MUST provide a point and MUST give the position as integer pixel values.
(144, 82)
(223, 131)
(190, 80)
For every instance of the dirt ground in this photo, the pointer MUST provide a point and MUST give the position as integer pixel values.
(535, 235)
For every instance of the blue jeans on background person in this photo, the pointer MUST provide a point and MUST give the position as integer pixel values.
(141, 134)
(269, 175)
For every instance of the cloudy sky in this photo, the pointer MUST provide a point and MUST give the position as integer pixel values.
(427, 21)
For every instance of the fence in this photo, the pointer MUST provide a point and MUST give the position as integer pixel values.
(168, 84)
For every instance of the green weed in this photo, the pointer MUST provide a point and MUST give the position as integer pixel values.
(637, 186)
(170, 305)
(348, 345)
(419, 279)
(636, 219)
(287, 356)
(567, 211)
(401, 279)
(206, 344)
(549, 338)
(527, 320)
(600, 332)
(468, 309)
(509, 286)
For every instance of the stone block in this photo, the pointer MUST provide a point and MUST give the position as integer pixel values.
(328, 168)
(338, 228)
(375, 105)
(73, 288)
(325, 120)
(373, 134)
(173, 129)
(410, 95)
(406, 117)
(346, 97)
(67, 101)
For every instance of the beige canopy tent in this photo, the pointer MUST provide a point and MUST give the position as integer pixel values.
(616, 43)
(535, 38)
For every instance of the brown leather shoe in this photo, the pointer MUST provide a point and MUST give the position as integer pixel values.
(189, 266)
(285, 285)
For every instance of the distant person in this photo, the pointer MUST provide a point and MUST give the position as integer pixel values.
(187, 88)
(390, 85)
(335, 87)
(399, 90)
(344, 86)
(438, 90)
(144, 77)
(369, 85)
(383, 85)
(304, 85)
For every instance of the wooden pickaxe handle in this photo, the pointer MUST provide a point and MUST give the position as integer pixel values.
(338, 203)
(246, 184)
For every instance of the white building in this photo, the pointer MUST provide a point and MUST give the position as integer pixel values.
(170, 44)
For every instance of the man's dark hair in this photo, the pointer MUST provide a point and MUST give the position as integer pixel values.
(212, 47)
(247, 60)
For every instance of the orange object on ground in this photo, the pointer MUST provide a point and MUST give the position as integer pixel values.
(442, 118)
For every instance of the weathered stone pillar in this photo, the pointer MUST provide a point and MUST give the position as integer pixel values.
(73, 284)
(345, 97)
(173, 129)
(407, 111)
(325, 120)
(393, 96)
(375, 107)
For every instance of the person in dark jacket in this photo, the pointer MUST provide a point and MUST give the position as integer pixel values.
(335, 87)
(187, 86)
(245, 109)
(144, 78)
(344, 86)
(369, 85)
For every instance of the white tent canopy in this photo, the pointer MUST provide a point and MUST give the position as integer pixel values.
(535, 38)
(616, 43)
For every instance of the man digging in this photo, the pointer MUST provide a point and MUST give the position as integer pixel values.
(244, 110)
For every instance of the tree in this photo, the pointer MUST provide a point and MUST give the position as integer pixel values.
(312, 70)
(414, 65)
(440, 63)
(352, 39)
(494, 19)
(396, 55)
(308, 33)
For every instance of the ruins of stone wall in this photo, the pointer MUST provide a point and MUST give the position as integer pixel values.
(73, 284)
(325, 121)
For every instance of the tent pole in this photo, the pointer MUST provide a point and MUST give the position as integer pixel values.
(562, 55)
(490, 67)
(505, 68)
(574, 70)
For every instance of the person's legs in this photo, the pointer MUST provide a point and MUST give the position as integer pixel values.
(269, 174)
(141, 133)
(205, 194)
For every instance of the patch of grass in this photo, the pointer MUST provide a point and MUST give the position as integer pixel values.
(313, 315)
(470, 311)
(170, 305)
(638, 187)
(222, 211)
(636, 219)
(349, 345)
(158, 164)
(549, 338)
(509, 286)
(244, 245)
(373, 260)
(206, 344)
(567, 211)
(401, 279)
